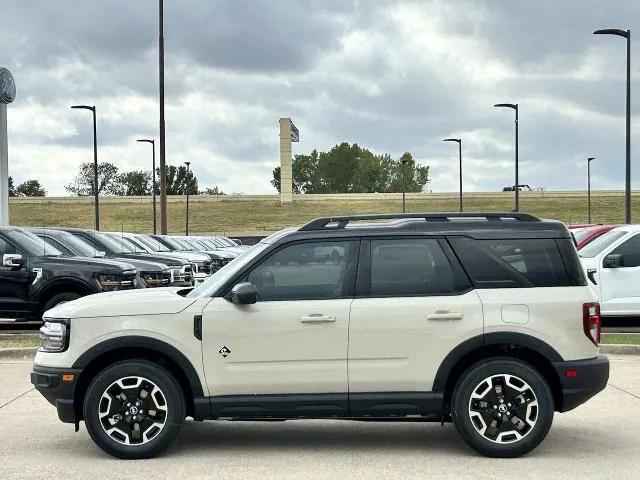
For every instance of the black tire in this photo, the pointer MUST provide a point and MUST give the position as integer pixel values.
(503, 444)
(173, 417)
(59, 298)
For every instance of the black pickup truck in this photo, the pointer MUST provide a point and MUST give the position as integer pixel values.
(35, 276)
(181, 271)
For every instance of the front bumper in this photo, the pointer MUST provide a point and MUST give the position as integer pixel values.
(59, 392)
(581, 380)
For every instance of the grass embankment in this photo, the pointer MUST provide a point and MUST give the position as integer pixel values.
(19, 341)
(620, 339)
(267, 215)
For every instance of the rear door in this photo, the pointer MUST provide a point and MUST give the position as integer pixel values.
(15, 283)
(413, 305)
(620, 286)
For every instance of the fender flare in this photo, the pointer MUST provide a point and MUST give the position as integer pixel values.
(488, 340)
(148, 343)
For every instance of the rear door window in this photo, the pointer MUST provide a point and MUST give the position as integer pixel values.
(411, 267)
(507, 263)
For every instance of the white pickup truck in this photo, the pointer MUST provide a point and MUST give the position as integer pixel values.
(612, 265)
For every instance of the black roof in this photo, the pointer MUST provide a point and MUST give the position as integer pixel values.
(472, 224)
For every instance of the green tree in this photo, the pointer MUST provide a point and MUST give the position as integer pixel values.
(212, 191)
(134, 183)
(177, 181)
(353, 169)
(12, 188)
(83, 183)
(30, 188)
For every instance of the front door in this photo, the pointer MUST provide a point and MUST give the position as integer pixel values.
(620, 286)
(14, 286)
(413, 305)
(292, 342)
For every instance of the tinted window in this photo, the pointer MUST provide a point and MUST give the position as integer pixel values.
(319, 270)
(6, 247)
(402, 267)
(630, 251)
(512, 263)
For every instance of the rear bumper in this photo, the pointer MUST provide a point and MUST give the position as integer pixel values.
(58, 392)
(590, 377)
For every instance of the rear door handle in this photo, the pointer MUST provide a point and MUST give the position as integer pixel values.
(444, 315)
(317, 318)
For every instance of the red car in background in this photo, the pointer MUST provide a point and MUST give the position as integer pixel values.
(587, 234)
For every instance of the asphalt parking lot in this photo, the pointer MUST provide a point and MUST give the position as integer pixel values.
(599, 440)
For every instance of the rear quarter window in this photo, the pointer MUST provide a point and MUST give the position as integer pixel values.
(514, 263)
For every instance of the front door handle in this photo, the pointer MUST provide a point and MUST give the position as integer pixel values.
(444, 315)
(317, 318)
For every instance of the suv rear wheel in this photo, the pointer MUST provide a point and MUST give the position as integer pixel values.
(134, 409)
(502, 407)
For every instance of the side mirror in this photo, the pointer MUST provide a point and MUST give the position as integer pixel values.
(614, 260)
(12, 260)
(244, 294)
(100, 254)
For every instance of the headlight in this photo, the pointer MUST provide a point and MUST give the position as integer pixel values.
(54, 335)
(155, 279)
(110, 282)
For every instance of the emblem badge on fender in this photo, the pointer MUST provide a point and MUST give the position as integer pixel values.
(224, 351)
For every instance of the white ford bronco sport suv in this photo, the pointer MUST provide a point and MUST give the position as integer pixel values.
(482, 319)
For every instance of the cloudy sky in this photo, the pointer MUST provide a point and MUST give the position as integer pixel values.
(391, 76)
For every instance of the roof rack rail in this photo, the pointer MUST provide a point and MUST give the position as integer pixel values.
(342, 221)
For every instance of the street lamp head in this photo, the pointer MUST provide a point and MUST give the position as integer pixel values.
(613, 31)
(590, 158)
(85, 107)
(458, 140)
(507, 105)
(187, 163)
(145, 140)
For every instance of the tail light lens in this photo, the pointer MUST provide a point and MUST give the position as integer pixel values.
(592, 322)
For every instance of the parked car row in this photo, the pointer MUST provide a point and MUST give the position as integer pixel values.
(610, 256)
(43, 267)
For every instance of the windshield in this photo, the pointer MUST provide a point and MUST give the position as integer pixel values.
(172, 243)
(211, 285)
(111, 245)
(80, 247)
(152, 243)
(122, 244)
(32, 244)
(184, 244)
(599, 244)
(584, 233)
(225, 241)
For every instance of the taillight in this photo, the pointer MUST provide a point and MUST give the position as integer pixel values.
(591, 321)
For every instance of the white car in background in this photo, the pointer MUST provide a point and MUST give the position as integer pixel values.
(612, 265)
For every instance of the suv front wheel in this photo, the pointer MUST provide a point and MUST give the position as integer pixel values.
(134, 409)
(502, 407)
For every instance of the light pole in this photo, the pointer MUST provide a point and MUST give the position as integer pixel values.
(7, 95)
(627, 186)
(589, 187)
(514, 106)
(95, 160)
(186, 225)
(459, 141)
(404, 185)
(163, 165)
(153, 176)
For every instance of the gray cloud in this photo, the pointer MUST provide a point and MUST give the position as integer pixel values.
(393, 76)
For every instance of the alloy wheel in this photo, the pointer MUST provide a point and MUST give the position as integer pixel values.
(133, 410)
(503, 408)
